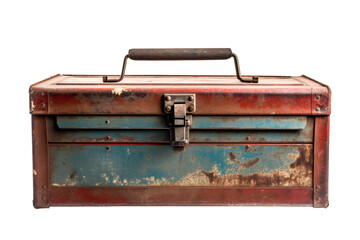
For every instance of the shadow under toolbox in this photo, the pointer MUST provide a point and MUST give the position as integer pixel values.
(180, 140)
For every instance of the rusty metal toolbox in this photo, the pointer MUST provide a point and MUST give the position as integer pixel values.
(180, 140)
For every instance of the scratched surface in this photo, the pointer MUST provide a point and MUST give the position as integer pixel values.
(218, 165)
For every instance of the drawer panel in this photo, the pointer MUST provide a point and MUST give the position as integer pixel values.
(197, 165)
(256, 134)
(199, 122)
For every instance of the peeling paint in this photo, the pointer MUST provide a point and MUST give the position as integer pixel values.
(32, 106)
(105, 177)
(71, 181)
(200, 177)
(118, 91)
(293, 156)
(233, 159)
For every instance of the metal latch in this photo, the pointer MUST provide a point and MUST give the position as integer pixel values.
(179, 107)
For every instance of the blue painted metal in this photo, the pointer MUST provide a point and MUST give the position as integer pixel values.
(249, 122)
(199, 122)
(195, 136)
(101, 135)
(264, 136)
(157, 135)
(135, 165)
(111, 122)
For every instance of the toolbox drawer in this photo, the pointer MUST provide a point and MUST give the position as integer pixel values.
(282, 165)
(100, 151)
(205, 129)
(103, 151)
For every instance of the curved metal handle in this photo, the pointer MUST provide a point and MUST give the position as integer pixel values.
(170, 54)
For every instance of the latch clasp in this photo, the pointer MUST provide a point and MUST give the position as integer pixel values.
(178, 107)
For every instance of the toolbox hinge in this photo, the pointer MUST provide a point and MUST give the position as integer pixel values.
(178, 107)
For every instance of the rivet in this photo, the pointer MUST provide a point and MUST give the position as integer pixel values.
(317, 199)
(191, 108)
(248, 138)
(317, 109)
(44, 186)
(190, 98)
(108, 148)
(42, 105)
(247, 147)
(186, 142)
(42, 94)
(107, 121)
(168, 98)
(108, 137)
(168, 108)
(317, 97)
(43, 198)
(317, 186)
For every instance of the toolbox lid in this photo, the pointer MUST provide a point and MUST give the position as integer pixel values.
(144, 95)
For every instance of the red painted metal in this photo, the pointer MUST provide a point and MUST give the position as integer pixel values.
(321, 161)
(227, 99)
(162, 196)
(40, 162)
(232, 101)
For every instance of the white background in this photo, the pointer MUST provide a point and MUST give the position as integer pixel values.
(42, 38)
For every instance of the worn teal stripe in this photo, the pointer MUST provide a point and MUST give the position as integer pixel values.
(195, 136)
(249, 122)
(199, 122)
(111, 122)
(110, 135)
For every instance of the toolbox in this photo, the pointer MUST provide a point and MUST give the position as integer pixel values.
(105, 140)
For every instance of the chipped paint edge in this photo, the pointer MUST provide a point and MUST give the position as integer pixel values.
(118, 91)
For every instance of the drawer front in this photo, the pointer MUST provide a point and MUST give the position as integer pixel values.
(253, 165)
(199, 122)
(205, 129)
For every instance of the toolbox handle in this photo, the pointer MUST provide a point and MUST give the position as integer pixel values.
(180, 54)
(170, 54)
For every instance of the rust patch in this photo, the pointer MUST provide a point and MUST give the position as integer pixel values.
(304, 159)
(210, 175)
(247, 164)
(200, 177)
(179, 149)
(232, 157)
(125, 138)
(132, 96)
(72, 175)
(299, 174)
(275, 179)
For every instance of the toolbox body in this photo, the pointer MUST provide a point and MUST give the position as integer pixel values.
(180, 140)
